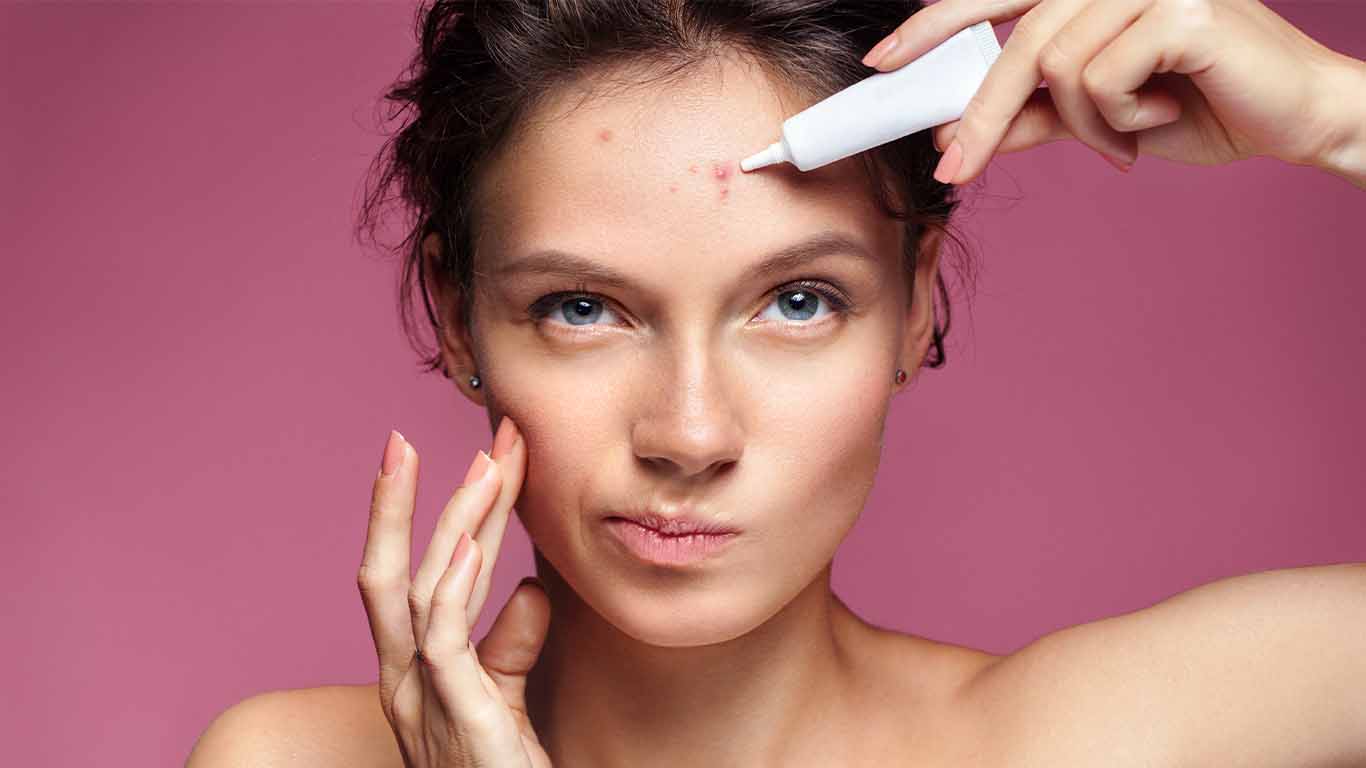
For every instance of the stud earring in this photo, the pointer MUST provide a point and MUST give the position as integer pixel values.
(900, 376)
(474, 382)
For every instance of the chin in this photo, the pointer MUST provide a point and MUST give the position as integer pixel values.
(703, 619)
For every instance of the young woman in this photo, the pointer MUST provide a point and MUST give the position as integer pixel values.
(689, 371)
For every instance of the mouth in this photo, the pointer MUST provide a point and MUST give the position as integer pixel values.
(676, 526)
(659, 548)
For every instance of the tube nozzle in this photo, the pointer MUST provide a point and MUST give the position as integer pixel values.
(773, 153)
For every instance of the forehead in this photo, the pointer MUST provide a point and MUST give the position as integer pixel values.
(650, 173)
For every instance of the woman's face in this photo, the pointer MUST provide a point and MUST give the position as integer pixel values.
(700, 382)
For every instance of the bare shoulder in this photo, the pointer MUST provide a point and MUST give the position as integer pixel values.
(1258, 669)
(1067, 698)
(333, 725)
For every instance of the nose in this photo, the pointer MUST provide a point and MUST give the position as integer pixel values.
(691, 428)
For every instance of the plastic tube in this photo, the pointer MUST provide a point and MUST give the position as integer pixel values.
(931, 90)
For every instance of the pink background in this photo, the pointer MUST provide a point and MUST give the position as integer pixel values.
(1158, 384)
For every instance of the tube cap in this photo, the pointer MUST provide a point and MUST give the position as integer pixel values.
(773, 153)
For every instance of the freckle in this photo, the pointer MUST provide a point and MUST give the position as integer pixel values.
(605, 134)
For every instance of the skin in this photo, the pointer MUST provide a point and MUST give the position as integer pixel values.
(1204, 82)
(691, 386)
(714, 400)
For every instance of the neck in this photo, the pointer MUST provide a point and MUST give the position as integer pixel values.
(598, 697)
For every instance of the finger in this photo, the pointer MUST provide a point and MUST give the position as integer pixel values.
(943, 134)
(469, 503)
(448, 656)
(1115, 76)
(383, 575)
(509, 450)
(1065, 57)
(1008, 85)
(514, 642)
(936, 23)
(456, 518)
(1038, 123)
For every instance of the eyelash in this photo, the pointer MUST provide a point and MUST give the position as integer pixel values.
(839, 301)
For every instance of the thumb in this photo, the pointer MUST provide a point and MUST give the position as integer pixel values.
(510, 649)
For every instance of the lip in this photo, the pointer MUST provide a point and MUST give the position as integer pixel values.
(680, 525)
(659, 548)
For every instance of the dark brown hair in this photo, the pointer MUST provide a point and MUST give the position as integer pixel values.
(483, 66)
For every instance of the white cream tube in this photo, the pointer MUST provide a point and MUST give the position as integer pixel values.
(931, 90)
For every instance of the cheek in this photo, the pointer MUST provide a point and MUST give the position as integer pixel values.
(824, 416)
(563, 420)
(826, 442)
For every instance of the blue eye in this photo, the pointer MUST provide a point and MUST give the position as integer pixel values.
(797, 302)
(803, 304)
(573, 308)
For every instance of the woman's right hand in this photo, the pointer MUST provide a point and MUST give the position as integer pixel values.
(1195, 81)
(452, 706)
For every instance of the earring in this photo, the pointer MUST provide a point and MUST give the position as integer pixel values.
(900, 376)
(474, 382)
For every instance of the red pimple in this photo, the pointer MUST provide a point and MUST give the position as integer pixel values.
(720, 171)
(692, 169)
(673, 187)
(605, 134)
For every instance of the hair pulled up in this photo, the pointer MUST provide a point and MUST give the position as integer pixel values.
(483, 66)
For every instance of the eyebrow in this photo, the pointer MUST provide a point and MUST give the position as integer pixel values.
(557, 262)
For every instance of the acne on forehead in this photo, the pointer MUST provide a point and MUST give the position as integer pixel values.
(721, 171)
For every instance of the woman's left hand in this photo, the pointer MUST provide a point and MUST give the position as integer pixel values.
(1196, 81)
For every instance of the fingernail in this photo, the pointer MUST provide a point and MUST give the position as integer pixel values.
(1120, 164)
(880, 51)
(949, 163)
(479, 469)
(393, 454)
(503, 439)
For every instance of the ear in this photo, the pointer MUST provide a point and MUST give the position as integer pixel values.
(457, 345)
(920, 308)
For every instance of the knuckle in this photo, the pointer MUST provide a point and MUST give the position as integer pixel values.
(1054, 60)
(372, 579)
(1094, 79)
(418, 600)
